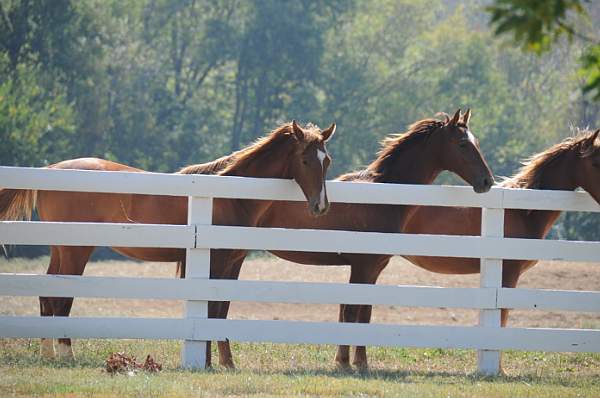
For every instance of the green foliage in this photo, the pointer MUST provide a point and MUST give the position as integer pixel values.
(160, 84)
(36, 125)
(590, 71)
(535, 24)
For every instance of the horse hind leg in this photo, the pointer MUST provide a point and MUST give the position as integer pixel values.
(365, 273)
(225, 356)
(72, 262)
(47, 344)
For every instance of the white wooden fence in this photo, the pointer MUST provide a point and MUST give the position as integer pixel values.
(199, 235)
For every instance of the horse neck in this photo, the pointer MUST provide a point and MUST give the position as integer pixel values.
(417, 164)
(555, 177)
(272, 163)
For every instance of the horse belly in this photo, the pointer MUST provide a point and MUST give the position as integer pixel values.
(446, 265)
(152, 254)
(308, 258)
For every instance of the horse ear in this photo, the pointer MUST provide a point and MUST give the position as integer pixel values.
(587, 147)
(455, 118)
(594, 136)
(328, 132)
(467, 116)
(297, 131)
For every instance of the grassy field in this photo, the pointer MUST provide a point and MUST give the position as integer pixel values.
(299, 370)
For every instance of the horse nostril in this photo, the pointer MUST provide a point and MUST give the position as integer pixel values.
(315, 208)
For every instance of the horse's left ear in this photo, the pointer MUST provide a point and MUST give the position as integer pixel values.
(455, 118)
(467, 116)
(297, 131)
(328, 132)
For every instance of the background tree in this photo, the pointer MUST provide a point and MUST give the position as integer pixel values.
(159, 84)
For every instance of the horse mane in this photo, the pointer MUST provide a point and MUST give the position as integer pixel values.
(531, 173)
(260, 147)
(392, 147)
(213, 167)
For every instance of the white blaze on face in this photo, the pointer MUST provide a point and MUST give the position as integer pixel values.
(321, 155)
(471, 137)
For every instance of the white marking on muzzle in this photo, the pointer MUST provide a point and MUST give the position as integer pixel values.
(321, 155)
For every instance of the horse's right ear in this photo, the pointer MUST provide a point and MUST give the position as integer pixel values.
(455, 118)
(594, 136)
(328, 132)
(297, 131)
(587, 147)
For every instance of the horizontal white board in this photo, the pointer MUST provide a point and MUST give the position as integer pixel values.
(215, 236)
(230, 290)
(96, 234)
(277, 189)
(529, 339)
(548, 200)
(149, 183)
(228, 237)
(538, 299)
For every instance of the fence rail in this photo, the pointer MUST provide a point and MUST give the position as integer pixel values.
(199, 235)
(267, 188)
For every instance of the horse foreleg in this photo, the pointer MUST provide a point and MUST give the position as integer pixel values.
(342, 357)
(360, 352)
(72, 262)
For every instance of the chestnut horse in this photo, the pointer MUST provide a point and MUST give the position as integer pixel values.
(288, 152)
(573, 163)
(415, 157)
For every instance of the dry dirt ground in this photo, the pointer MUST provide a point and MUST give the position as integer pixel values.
(546, 275)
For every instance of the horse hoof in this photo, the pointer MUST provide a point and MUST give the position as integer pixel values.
(228, 365)
(362, 367)
(343, 366)
(65, 352)
(47, 349)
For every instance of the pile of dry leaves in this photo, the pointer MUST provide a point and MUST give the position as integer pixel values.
(119, 362)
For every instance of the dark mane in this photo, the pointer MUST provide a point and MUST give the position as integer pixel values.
(392, 147)
(530, 175)
(241, 158)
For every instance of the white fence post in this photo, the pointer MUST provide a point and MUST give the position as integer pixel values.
(492, 225)
(193, 354)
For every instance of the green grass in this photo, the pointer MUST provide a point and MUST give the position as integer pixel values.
(293, 370)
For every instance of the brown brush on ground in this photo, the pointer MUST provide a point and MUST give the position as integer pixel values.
(119, 362)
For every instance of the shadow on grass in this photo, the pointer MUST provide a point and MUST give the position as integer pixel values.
(441, 377)
(404, 376)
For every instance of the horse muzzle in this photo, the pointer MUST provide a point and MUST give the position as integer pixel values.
(317, 207)
(484, 185)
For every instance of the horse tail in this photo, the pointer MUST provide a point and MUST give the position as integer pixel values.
(17, 204)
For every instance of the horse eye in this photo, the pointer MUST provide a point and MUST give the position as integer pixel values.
(463, 143)
(304, 162)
